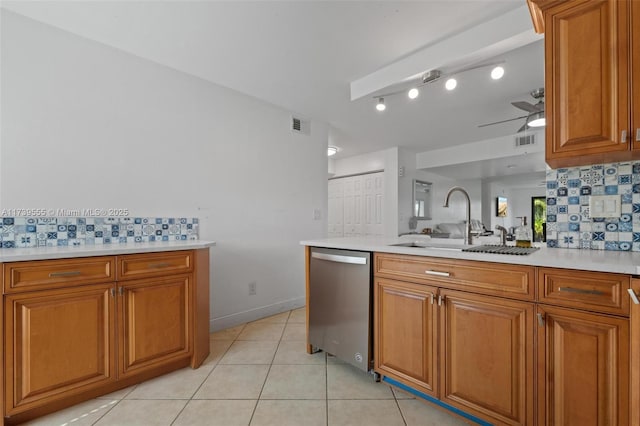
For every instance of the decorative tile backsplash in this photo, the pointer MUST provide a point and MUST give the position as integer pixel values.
(20, 232)
(569, 224)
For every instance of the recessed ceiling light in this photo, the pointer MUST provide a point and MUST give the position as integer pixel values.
(451, 84)
(497, 73)
(413, 93)
(380, 106)
(511, 166)
(332, 150)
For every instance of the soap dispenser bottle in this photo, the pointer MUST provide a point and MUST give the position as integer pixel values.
(523, 233)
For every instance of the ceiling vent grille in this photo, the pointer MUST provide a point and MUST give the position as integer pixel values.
(525, 140)
(299, 125)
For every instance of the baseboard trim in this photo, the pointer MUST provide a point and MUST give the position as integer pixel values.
(227, 321)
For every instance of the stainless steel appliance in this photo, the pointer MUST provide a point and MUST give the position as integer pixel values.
(339, 305)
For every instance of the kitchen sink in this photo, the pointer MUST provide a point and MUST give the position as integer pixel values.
(486, 248)
(431, 246)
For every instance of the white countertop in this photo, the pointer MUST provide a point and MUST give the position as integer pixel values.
(588, 260)
(43, 253)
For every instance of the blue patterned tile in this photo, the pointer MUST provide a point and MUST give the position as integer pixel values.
(611, 245)
(611, 190)
(562, 192)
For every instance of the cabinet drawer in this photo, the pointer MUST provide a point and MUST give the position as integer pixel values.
(48, 274)
(154, 264)
(498, 279)
(593, 291)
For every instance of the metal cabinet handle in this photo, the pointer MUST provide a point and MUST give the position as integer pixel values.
(580, 291)
(438, 273)
(159, 265)
(540, 320)
(633, 296)
(432, 298)
(64, 274)
(340, 259)
(113, 292)
(623, 137)
(120, 291)
(638, 134)
(440, 299)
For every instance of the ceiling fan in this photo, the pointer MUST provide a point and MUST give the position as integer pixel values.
(535, 116)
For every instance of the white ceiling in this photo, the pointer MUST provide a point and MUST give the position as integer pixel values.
(303, 55)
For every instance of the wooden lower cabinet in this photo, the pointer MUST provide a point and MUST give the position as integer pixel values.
(583, 368)
(634, 365)
(64, 345)
(57, 343)
(406, 333)
(471, 351)
(154, 322)
(486, 356)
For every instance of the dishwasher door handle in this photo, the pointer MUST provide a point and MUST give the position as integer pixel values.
(340, 258)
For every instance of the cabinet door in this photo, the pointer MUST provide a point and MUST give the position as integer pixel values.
(405, 333)
(583, 367)
(635, 355)
(587, 84)
(154, 323)
(486, 352)
(57, 343)
(635, 70)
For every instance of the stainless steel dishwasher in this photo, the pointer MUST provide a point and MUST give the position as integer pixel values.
(339, 305)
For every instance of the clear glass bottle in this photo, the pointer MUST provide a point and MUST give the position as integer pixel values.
(523, 233)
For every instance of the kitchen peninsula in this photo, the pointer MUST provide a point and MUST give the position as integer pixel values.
(546, 338)
(84, 321)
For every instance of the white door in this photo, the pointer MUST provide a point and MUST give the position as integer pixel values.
(335, 208)
(373, 202)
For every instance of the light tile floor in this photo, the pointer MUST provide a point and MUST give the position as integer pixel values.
(258, 374)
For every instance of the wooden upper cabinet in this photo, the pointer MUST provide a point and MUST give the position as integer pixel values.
(587, 85)
(635, 73)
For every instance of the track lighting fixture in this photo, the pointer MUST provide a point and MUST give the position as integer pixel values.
(451, 84)
(497, 72)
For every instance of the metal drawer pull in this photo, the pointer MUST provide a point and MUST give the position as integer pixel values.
(638, 134)
(581, 291)
(623, 137)
(64, 274)
(438, 273)
(540, 320)
(634, 297)
(159, 265)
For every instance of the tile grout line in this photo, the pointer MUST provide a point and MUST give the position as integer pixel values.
(207, 377)
(269, 370)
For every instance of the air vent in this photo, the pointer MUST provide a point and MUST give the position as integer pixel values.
(526, 140)
(299, 125)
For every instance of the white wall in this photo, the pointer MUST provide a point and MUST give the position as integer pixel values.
(518, 198)
(85, 125)
(386, 160)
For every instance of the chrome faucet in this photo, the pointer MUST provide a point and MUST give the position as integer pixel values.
(468, 238)
(503, 234)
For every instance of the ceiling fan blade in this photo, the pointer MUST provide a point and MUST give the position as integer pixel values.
(503, 121)
(525, 106)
